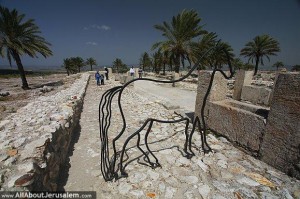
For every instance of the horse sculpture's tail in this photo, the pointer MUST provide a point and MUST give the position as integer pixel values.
(107, 166)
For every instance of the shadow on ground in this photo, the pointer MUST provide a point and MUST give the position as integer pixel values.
(64, 171)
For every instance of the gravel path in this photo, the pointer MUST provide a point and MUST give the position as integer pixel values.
(226, 173)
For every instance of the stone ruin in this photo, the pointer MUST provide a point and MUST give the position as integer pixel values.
(259, 116)
(35, 140)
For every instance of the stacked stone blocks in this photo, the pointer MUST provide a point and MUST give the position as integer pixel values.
(271, 134)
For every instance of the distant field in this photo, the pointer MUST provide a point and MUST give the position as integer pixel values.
(6, 73)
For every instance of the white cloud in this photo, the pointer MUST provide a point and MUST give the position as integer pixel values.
(95, 26)
(91, 43)
(104, 27)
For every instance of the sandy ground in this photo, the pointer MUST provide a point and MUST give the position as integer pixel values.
(18, 97)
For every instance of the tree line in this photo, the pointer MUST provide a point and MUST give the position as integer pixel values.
(74, 64)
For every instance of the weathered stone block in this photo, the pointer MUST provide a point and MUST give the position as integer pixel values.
(248, 77)
(238, 84)
(174, 77)
(109, 71)
(125, 78)
(217, 93)
(117, 77)
(239, 124)
(281, 145)
(256, 95)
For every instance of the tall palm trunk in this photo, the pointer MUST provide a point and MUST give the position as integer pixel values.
(177, 64)
(21, 69)
(91, 67)
(256, 65)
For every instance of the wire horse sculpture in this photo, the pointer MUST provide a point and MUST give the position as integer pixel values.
(109, 166)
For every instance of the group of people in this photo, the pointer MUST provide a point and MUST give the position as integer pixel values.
(140, 72)
(100, 77)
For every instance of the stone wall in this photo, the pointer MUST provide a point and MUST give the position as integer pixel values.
(35, 141)
(240, 125)
(125, 78)
(256, 95)
(218, 90)
(272, 134)
(281, 146)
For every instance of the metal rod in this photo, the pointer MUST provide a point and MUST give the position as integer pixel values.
(109, 163)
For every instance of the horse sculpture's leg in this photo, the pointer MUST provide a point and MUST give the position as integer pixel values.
(156, 164)
(145, 154)
(206, 148)
(190, 138)
(185, 148)
(122, 169)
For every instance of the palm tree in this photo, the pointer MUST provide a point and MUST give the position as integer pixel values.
(278, 64)
(78, 62)
(117, 64)
(166, 60)
(237, 63)
(157, 61)
(145, 61)
(207, 41)
(69, 66)
(19, 37)
(261, 46)
(179, 35)
(217, 57)
(248, 66)
(91, 61)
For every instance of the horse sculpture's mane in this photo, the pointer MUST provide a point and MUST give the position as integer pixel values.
(108, 164)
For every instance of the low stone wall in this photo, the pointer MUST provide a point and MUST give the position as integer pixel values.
(256, 95)
(244, 127)
(125, 78)
(270, 133)
(35, 141)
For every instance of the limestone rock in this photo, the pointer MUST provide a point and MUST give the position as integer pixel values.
(137, 177)
(204, 190)
(124, 188)
(153, 175)
(170, 192)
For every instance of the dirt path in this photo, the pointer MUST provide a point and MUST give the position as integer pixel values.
(85, 158)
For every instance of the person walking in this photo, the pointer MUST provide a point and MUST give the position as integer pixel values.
(131, 71)
(98, 77)
(106, 73)
(140, 71)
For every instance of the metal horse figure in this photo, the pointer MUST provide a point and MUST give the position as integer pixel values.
(109, 165)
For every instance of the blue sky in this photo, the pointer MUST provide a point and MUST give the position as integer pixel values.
(110, 29)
